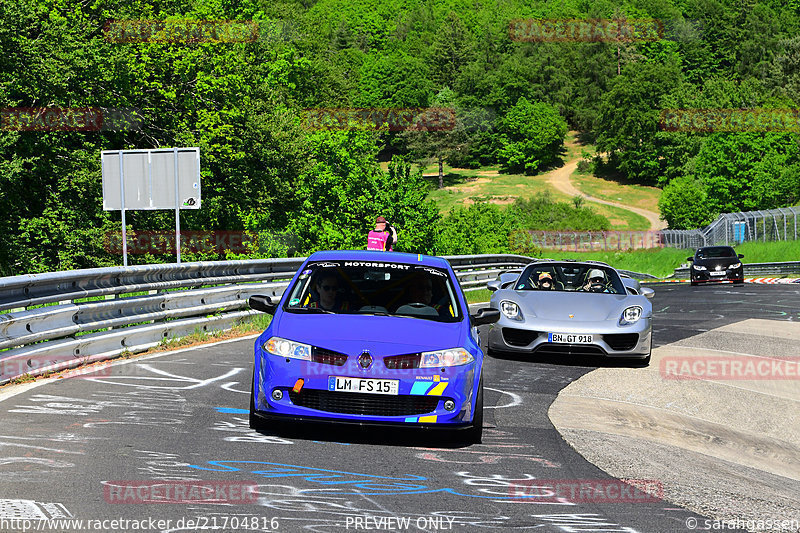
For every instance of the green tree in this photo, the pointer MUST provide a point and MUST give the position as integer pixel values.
(684, 204)
(436, 142)
(746, 171)
(629, 118)
(343, 189)
(450, 51)
(394, 79)
(532, 136)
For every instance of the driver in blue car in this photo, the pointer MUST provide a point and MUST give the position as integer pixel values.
(420, 291)
(327, 289)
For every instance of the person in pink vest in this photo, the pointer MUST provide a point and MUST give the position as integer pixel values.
(383, 237)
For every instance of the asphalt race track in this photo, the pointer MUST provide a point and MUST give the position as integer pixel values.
(182, 416)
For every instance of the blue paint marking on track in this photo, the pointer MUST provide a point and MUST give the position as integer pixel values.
(348, 483)
(232, 411)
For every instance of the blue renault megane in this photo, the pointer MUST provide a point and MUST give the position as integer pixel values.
(371, 338)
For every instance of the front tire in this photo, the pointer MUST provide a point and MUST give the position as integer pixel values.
(475, 433)
(254, 422)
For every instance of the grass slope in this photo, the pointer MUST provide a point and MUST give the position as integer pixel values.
(663, 261)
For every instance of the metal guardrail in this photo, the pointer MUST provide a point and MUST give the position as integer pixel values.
(787, 268)
(59, 320)
(637, 275)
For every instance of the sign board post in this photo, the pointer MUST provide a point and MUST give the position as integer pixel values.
(165, 178)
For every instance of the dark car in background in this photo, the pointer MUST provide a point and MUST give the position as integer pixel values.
(716, 263)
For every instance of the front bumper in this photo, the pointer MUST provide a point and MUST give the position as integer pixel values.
(609, 339)
(422, 393)
(712, 276)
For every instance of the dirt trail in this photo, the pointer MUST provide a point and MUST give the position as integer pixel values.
(559, 179)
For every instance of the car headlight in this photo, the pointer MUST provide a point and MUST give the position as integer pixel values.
(440, 358)
(511, 310)
(286, 348)
(735, 265)
(699, 267)
(630, 315)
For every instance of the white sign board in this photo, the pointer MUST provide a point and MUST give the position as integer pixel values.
(149, 179)
(164, 178)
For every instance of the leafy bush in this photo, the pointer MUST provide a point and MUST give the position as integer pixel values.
(481, 228)
(542, 213)
(684, 204)
(344, 190)
(532, 136)
(485, 228)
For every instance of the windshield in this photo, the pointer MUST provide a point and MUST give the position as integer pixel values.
(570, 277)
(377, 288)
(716, 252)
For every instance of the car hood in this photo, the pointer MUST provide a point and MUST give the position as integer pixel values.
(381, 335)
(712, 263)
(559, 305)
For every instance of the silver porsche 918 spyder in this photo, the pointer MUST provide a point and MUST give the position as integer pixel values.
(572, 308)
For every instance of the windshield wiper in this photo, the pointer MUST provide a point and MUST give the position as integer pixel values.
(309, 310)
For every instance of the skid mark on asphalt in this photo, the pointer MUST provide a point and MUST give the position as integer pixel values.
(516, 399)
(140, 381)
(31, 510)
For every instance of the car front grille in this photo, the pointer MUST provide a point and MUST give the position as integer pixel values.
(402, 362)
(582, 349)
(353, 403)
(622, 341)
(328, 357)
(519, 337)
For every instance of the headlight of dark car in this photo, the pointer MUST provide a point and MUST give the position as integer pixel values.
(699, 267)
(735, 266)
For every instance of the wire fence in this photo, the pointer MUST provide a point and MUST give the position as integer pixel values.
(730, 229)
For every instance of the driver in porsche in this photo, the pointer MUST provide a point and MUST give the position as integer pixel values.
(596, 281)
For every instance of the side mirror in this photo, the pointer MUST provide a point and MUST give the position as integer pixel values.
(741, 256)
(486, 315)
(494, 285)
(647, 293)
(690, 258)
(262, 303)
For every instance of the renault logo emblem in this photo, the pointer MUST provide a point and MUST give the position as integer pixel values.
(364, 360)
